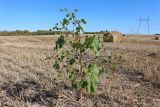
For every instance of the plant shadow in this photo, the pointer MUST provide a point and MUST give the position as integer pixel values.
(30, 91)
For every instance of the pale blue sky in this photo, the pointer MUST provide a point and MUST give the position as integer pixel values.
(121, 15)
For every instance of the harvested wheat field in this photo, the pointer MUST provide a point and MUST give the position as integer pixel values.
(27, 74)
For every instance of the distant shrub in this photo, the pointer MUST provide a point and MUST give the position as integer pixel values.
(101, 32)
(38, 32)
(156, 38)
(123, 35)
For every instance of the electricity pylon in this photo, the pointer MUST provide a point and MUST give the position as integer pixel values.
(144, 20)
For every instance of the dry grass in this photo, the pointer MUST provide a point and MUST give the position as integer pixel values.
(26, 74)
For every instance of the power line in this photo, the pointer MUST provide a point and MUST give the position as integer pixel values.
(144, 20)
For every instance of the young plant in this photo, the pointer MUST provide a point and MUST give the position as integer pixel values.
(76, 56)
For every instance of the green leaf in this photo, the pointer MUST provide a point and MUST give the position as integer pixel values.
(56, 24)
(83, 21)
(61, 10)
(73, 15)
(70, 18)
(56, 65)
(93, 43)
(81, 28)
(72, 61)
(114, 66)
(77, 45)
(83, 84)
(59, 43)
(96, 45)
(74, 85)
(91, 74)
(75, 10)
(68, 15)
(78, 29)
(65, 22)
(65, 9)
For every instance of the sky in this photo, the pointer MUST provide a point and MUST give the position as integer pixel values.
(119, 15)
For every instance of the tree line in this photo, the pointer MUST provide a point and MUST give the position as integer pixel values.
(99, 32)
(27, 32)
(40, 32)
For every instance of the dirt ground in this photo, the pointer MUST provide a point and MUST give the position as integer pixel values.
(26, 74)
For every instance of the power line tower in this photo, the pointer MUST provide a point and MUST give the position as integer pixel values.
(144, 20)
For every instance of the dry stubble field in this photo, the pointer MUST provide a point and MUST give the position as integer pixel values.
(26, 74)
